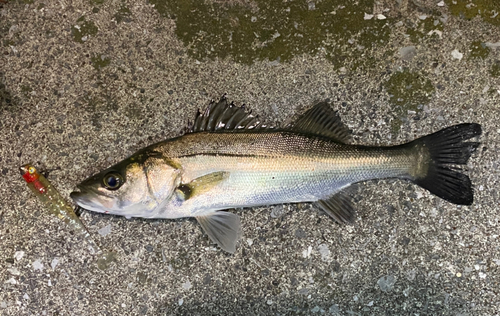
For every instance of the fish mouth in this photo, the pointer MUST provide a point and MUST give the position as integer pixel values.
(79, 193)
(86, 199)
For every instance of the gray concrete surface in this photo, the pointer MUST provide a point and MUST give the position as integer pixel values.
(85, 83)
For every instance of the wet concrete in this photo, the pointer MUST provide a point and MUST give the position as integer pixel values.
(83, 84)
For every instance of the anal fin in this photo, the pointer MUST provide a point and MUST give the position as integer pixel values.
(223, 228)
(339, 207)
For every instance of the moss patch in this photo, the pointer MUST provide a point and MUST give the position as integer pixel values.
(488, 10)
(423, 27)
(495, 69)
(122, 15)
(106, 259)
(479, 50)
(26, 90)
(274, 30)
(6, 99)
(83, 30)
(408, 90)
(99, 62)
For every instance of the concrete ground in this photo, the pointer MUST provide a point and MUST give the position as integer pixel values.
(85, 83)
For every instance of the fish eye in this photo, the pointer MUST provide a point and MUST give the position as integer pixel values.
(112, 180)
(31, 170)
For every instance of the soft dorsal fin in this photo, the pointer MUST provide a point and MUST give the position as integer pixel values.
(322, 120)
(223, 115)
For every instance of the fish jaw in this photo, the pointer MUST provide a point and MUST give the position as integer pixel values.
(87, 200)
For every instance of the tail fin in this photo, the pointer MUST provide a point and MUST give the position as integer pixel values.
(446, 150)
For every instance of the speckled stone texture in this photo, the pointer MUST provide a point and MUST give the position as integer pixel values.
(85, 83)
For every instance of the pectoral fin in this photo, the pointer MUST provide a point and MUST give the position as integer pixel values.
(223, 228)
(339, 207)
(201, 185)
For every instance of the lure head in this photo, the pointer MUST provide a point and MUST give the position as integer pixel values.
(29, 173)
(134, 187)
(33, 178)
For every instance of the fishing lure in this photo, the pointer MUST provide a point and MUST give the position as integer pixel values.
(54, 202)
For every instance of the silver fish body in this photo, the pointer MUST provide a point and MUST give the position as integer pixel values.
(275, 167)
(229, 161)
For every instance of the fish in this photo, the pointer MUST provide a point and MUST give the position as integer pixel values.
(228, 158)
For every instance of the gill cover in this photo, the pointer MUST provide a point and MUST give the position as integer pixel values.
(135, 187)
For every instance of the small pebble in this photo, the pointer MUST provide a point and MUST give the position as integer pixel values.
(187, 285)
(456, 54)
(386, 283)
(105, 230)
(325, 252)
(13, 271)
(18, 255)
(306, 253)
(11, 281)
(37, 265)
(54, 263)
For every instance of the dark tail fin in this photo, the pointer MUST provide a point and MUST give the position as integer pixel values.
(445, 150)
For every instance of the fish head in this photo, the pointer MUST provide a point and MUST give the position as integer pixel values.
(135, 187)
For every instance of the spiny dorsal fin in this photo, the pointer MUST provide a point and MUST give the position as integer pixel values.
(322, 120)
(339, 207)
(223, 115)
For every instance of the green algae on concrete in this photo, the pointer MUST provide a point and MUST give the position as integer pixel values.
(408, 91)
(100, 61)
(275, 30)
(122, 15)
(83, 29)
(424, 27)
(479, 49)
(495, 69)
(105, 259)
(488, 10)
